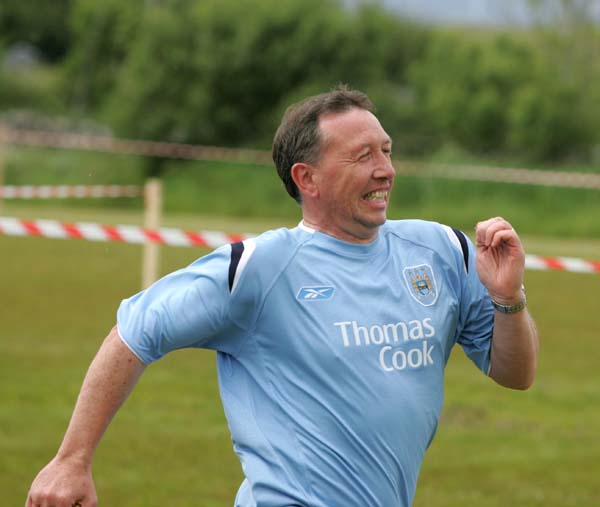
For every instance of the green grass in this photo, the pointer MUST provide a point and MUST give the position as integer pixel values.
(170, 445)
(496, 447)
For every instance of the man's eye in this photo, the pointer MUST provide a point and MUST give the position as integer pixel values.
(365, 156)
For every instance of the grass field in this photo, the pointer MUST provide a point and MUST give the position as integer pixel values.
(170, 445)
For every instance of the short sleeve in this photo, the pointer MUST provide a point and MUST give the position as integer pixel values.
(187, 308)
(476, 314)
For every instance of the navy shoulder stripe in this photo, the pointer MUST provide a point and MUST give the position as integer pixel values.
(236, 254)
(463, 245)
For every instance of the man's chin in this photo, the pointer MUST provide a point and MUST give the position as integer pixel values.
(373, 222)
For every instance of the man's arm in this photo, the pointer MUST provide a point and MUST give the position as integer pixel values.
(67, 479)
(500, 266)
(514, 350)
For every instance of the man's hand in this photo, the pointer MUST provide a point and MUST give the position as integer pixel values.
(67, 480)
(63, 483)
(500, 266)
(500, 260)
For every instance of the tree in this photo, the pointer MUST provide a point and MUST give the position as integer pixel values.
(567, 36)
(102, 36)
(40, 23)
(227, 67)
(545, 123)
(465, 87)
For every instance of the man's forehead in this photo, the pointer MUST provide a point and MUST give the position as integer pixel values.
(354, 128)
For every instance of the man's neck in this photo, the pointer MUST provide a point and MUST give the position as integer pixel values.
(338, 233)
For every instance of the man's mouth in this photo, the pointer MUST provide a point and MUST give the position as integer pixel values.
(378, 195)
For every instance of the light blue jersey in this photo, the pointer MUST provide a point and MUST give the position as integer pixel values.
(331, 354)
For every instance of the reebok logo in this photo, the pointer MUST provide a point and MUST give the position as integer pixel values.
(315, 293)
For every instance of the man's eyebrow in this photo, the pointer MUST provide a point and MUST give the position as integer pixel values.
(359, 148)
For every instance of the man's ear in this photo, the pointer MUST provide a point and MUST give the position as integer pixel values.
(304, 178)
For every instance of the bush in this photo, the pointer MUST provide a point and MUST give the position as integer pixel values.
(40, 23)
(229, 67)
(35, 88)
(465, 87)
(102, 34)
(545, 124)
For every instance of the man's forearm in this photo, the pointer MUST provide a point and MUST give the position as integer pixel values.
(110, 378)
(514, 350)
(67, 479)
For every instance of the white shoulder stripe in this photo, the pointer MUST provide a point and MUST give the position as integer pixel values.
(452, 235)
(454, 240)
(249, 247)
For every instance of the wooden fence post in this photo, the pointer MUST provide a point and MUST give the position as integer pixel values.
(3, 154)
(152, 215)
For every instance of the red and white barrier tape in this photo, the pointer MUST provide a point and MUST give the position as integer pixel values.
(122, 233)
(536, 262)
(211, 239)
(68, 191)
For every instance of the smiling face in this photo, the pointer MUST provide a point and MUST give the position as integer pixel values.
(353, 178)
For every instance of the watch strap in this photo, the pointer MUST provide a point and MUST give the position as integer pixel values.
(511, 308)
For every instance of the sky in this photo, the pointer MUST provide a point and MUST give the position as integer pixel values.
(479, 12)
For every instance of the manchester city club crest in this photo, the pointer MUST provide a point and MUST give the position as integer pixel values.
(421, 284)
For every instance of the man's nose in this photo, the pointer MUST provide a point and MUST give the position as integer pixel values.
(385, 168)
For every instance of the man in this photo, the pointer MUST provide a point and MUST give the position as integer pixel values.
(332, 337)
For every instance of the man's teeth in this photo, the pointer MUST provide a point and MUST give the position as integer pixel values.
(377, 196)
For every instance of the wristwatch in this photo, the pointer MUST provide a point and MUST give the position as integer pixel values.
(511, 308)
